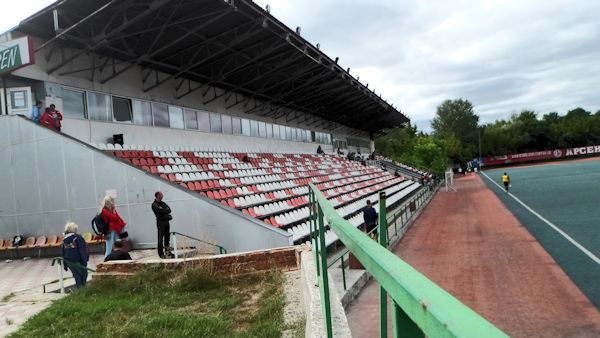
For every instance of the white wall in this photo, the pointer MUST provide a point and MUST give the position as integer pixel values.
(48, 179)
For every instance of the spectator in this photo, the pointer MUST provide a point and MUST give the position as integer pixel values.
(118, 254)
(51, 119)
(116, 225)
(36, 111)
(75, 253)
(339, 151)
(370, 218)
(397, 173)
(163, 216)
(350, 156)
(245, 159)
(320, 150)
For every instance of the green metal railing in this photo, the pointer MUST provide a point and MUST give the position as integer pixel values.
(419, 307)
(400, 219)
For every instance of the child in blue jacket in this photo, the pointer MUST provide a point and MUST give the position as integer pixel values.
(75, 254)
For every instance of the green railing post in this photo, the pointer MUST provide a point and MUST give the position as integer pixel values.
(383, 242)
(324, 275)
(403, 325)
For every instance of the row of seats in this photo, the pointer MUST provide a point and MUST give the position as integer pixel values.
(395, 194)
(41, 242)
(271, 187)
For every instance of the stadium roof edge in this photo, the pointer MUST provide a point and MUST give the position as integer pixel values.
(291, 73)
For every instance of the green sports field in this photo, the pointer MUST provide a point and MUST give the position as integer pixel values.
(567, 196)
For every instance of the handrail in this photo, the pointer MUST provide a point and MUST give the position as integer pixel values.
(69, 264)
(222, 250)
(419, 305)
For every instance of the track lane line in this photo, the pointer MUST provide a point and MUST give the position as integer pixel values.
(552, 225)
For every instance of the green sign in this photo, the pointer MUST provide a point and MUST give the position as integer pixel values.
(15, 54)
(10, 58)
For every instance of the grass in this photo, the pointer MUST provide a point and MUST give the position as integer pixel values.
(164, 303)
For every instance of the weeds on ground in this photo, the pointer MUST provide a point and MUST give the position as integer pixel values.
(166, 303)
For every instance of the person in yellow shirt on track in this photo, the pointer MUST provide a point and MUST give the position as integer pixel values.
(506, 181)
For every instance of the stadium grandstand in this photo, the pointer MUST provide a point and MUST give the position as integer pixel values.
(215, 103)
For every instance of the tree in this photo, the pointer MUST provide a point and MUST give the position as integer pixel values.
(455, 118)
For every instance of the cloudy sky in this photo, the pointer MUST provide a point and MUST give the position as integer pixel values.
(502, 55)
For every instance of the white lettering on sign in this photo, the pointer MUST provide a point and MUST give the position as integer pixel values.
(590, 150)
(8, 57)
(597, 149)
(569, 152)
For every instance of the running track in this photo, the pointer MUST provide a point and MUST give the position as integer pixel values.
(472, 246)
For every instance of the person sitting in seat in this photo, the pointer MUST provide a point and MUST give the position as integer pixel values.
(75, 253)
(320, 150)
(118, 254)
(339, 151)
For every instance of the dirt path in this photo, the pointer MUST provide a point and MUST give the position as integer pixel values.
(471, 245)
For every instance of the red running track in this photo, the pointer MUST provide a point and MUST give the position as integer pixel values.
(472, 246)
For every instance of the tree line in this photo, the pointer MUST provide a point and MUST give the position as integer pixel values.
(457, 136)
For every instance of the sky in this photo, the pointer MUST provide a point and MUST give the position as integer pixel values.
(501, 55)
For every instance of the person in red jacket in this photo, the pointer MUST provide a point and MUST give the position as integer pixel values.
(114, 221)
(51, 118)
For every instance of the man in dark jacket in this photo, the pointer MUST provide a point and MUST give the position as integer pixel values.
(118, 254)
(163, 216)
(75, 254)
(370, 218)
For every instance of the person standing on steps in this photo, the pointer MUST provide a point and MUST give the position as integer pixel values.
(163, 216)
(506, 181)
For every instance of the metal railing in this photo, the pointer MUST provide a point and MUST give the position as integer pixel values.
(222, 250)
(419, 306)
(61, 263)
(401, 217)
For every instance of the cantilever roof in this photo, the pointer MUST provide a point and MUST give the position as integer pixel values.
(233, 45)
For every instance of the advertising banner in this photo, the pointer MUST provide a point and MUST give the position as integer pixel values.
(541, 155)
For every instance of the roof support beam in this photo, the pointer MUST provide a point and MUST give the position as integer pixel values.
(103, 39)
(147, 56)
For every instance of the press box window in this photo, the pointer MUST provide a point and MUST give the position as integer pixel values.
(142, 112)
(99, 107)
(121, 109)
(160, 113)
(73, 103)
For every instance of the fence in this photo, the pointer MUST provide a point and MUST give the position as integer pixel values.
(419, 307)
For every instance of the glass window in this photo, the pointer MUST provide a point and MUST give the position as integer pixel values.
(269, 130)
(215, 123)
(282, 132)
(312, 136)
(288, 133)
(142, 112)
(99, 107)
(203, 121)
(73, 103)
(246, 127)
(191, 120)
(275, 131)
(121, 109)
(262, 129)
(226, 124)
(160, 113)
(236, 125)
(176, 117)
(253, 128)
(307, 135)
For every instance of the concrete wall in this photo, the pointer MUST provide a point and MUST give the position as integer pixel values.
(48, 179)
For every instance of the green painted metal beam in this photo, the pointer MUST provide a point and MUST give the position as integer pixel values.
(433, 310)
